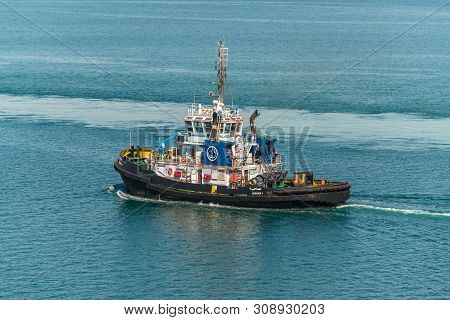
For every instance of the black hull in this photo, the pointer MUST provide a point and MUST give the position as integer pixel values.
(147, 184)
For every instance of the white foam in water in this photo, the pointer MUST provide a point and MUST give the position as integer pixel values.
(93, 112)
(397, 210)
(385, 129)
(126, 196)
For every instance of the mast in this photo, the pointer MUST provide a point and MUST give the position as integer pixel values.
(222, 56)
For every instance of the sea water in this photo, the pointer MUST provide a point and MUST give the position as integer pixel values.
(344, 94)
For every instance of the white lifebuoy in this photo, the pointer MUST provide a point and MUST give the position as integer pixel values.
(169, 171)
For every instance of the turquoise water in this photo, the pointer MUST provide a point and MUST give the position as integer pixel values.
(70, 230)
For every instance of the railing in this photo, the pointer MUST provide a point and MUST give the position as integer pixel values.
(199, 110)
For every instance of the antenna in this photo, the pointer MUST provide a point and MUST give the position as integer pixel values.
(194, 95)
(145, 138)
(130, 138)
(222, 57)
(137, 130)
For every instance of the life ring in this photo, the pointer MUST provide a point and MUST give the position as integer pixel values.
(169, 171)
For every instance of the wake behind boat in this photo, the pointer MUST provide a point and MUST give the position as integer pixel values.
(214, 161)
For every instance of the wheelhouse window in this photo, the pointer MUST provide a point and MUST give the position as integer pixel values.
(188, 126)
(208, 126)
(198, 127)
(227, 128)
(233, 128)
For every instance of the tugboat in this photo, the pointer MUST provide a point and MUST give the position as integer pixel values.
(214, 161)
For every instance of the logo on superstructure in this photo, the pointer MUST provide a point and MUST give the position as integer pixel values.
(212, 153)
